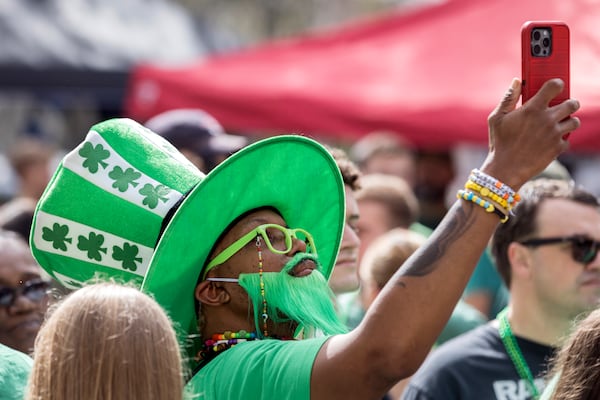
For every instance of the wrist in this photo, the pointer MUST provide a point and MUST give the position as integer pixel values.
(509, 177)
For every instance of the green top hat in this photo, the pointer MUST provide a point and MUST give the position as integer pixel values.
(102, 212)
(126, 204)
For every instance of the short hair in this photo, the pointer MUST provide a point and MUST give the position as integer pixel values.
(17, 216)
(387, 253)
(27, 151)
(351, 175)
(106, 341)
(8, 236)
(523, 223)
(576, 363)
(14, 242)
(395, 194)
(380, 142)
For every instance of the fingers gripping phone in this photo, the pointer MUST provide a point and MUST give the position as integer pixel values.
(545, 55)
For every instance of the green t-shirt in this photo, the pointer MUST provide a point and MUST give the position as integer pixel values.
(14, 373)
(260, 369)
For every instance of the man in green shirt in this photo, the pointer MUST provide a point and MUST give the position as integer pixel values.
(244, 256)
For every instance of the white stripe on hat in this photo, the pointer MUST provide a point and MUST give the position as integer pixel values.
(159, 204)
(64, 237)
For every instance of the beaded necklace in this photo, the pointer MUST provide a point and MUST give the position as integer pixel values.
(220, 342)
(514, 352)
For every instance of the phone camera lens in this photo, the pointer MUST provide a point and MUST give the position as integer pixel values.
(536, 35)
(537, 49)
(546, 42)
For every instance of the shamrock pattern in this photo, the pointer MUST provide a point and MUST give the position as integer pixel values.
(92, 245)
(124, 254)
(94, 156)
(57, 235)
(128, 255)
(153, 194)
(124, 178)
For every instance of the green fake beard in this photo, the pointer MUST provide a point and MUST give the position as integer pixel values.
(305, 300)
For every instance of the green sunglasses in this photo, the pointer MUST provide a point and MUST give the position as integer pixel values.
(277, 238)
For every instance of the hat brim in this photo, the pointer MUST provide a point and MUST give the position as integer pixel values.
(293, 174)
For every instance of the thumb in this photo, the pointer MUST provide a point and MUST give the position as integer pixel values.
(510, 99)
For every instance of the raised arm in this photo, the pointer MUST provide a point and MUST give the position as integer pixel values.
(409, 314)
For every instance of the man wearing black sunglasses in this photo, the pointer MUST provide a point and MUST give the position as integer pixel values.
(546, 254)
(22, 308)
(23, 299)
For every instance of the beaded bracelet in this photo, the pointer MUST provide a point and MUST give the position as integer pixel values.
(494, 185)
(485, 192)
(487, 206)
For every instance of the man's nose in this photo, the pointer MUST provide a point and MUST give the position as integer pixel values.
(298, 246)
(23, 304)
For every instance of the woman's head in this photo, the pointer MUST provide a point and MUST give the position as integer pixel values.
(578, 362)
(106, 341)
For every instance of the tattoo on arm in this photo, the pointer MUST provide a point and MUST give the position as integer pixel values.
(452, 228)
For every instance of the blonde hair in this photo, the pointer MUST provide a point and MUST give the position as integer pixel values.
(106, 341)
(392, 192)
(577, 363)
(386, 255)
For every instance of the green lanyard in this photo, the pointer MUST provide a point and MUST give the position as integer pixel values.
(513, 350)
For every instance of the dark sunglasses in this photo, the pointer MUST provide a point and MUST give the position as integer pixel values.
(34, 290)
(583, 249)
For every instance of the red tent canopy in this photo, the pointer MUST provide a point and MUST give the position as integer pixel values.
(433, 75)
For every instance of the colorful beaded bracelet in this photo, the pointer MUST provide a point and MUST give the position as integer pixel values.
(494, 185)
(497, 187)
(487, 206)
(485, 192)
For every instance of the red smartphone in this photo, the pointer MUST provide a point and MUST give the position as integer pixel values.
(545, 55)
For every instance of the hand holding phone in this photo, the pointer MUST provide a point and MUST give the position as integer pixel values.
(545, 55)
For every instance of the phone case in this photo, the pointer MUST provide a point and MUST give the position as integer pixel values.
(548, 61)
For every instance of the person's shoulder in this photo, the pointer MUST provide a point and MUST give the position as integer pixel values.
(15, 368)
(264, 353)
(254, 363)
(470, 342)
(14, 358)
(455, 352)
(450, 365)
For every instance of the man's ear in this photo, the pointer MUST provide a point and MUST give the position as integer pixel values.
(519, 258)
(211, 293)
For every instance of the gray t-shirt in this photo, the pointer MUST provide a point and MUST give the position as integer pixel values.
(475, 365)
